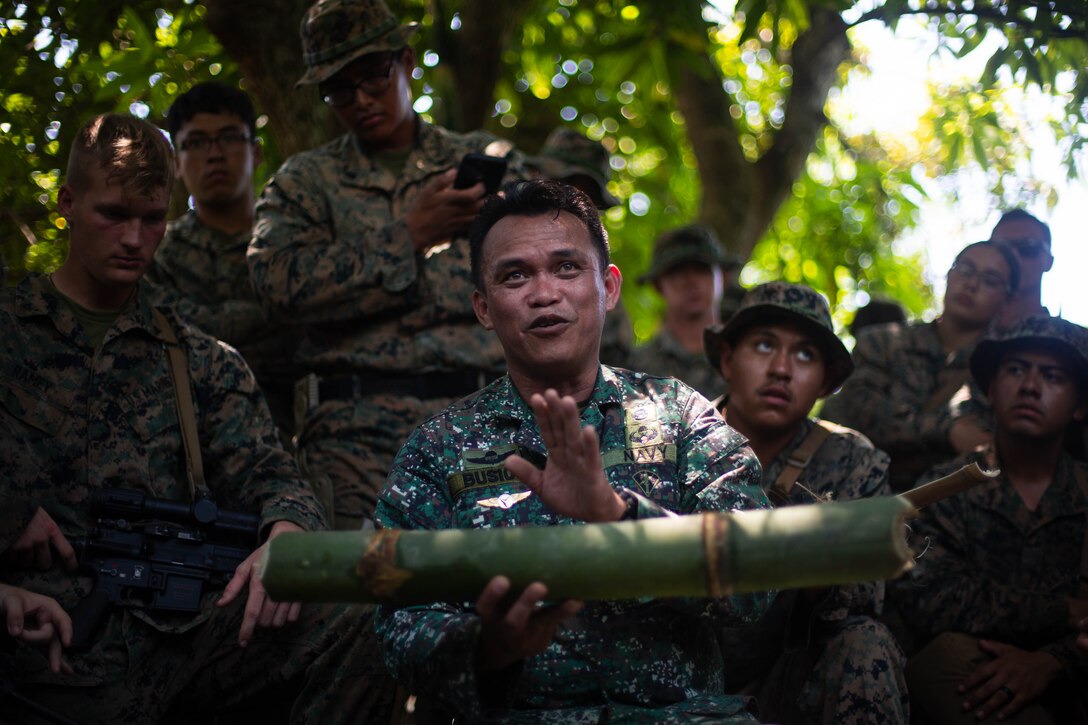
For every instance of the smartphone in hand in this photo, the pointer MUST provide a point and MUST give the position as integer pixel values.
(475, 168)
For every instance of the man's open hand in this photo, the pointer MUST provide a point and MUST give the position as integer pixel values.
(573, 482)
(260, 610)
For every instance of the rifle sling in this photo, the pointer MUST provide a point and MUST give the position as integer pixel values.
(779, 492)
(183, 398)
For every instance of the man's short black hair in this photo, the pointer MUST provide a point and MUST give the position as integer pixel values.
(535, 198)
(210, 97)
(1006, 253)
(1019, 214)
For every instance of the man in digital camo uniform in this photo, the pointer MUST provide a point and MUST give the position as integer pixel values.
(997, 594)
(559, 441)
(688, 270)
(570, 156)
(361, 241)
(200, 268)
(902, 394)
(818, 656)
(87, 389)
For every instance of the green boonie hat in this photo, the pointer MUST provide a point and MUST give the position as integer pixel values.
(567, 153)
(1051, 333)
(693, 243)
(336, 32)
(777, 301)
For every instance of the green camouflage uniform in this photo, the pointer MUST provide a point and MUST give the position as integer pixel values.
(663, 355)
(85, 418)
(631, 661)
(996, 570)
(202, 274)
(331, 251)
(827, 661)
(899, 369)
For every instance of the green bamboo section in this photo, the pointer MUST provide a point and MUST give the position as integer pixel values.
(700, 555)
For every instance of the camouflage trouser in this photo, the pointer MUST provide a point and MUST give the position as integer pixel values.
(325, 668)
(935, 673)
(850, 672)
(352, 443)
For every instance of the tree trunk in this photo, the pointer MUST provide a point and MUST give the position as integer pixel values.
(261, 36)
(739, 197)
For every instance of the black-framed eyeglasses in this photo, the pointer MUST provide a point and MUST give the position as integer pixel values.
(990, 280)
(228, 141)
(373, 84)
(1027, 248)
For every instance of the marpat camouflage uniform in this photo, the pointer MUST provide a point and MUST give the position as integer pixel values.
(899, 370)
(663, 355)
(81, 419)
(993, 569)
(202, 274)
(631, 661)
(331, 251)
(825, 661)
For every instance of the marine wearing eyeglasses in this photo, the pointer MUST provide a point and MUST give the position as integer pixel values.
(1029, 239)
(200, 268)
(907, 376)
(362, 241)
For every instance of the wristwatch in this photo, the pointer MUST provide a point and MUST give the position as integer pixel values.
(630, 501)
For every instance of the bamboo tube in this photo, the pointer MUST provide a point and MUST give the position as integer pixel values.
(967, 477)
(708, 554)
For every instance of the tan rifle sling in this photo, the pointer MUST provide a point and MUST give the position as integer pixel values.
(183, 398)
(798, 461)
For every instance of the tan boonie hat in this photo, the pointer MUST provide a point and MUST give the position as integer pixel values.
(567, 153)
(1049, 333)
(336, 32)
(693, 243)
(782, 301)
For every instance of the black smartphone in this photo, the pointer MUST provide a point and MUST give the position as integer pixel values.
(475, 168)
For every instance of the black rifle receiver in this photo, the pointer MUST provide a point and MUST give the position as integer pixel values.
(156, 554)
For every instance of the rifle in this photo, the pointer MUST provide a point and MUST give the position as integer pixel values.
(156, 554)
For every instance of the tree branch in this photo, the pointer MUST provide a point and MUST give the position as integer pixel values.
(985, 13)
(815, 59)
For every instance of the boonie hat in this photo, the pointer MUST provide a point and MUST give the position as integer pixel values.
(693, 243)
(1051, 333)
(567, 153)
(778, 301)
(336, 32)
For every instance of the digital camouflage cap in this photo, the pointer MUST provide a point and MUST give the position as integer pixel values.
(336, 32)
(693, 243)
(778, 302)
(1048, 333)
(567, 153)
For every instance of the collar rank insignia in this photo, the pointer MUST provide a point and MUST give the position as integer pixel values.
(504, 501)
